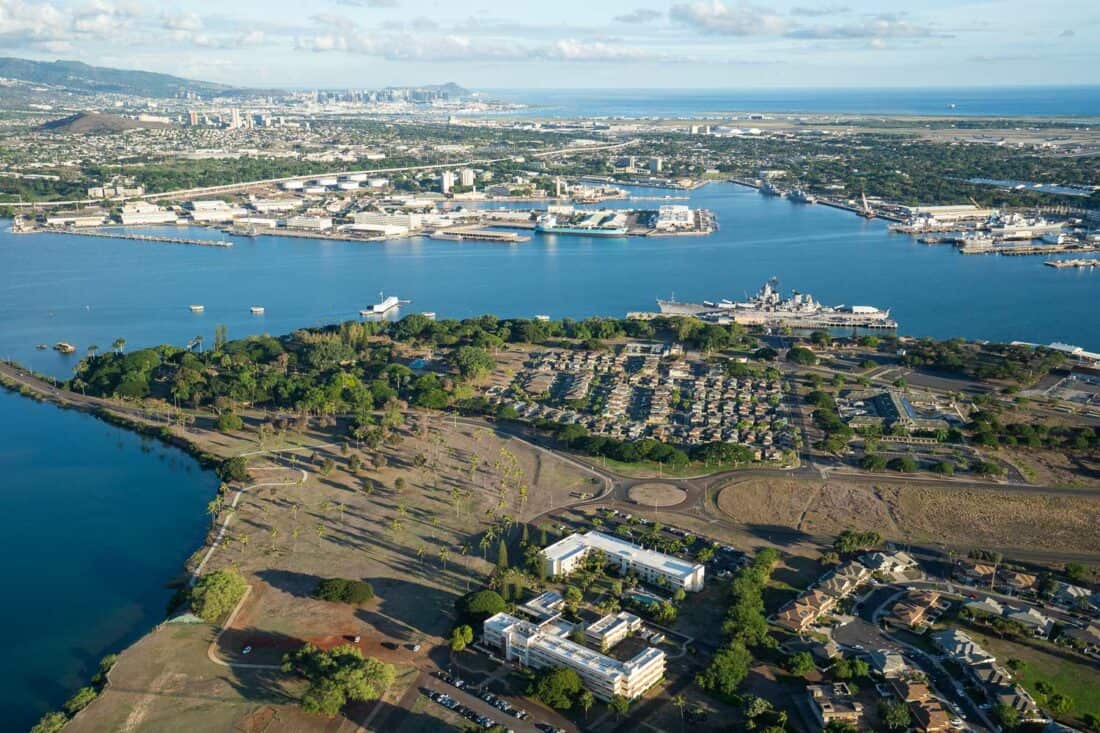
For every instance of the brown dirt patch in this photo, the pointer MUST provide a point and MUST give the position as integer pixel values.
(657, 494)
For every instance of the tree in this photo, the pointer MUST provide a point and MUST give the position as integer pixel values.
(801, 355)
(619, 705)
(472, 362)
(727, 670)
(338, 676)
(680, 702)
(1060, 704)
(903, 464)
(340, 590)
(895, 714)
(473, 608)
(801, 663)
(461, 637)
(228, 422)
(234, 469)
(1008, 716)
(82, 699)
(118, 345)
(50, 723)
(586, 700)
(558, 687)
(216, 594)
(502, 555)
(840, 726)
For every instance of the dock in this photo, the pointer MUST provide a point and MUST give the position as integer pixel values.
(159, 238)
(479, 235)
(1081, 263)
(1020, 250)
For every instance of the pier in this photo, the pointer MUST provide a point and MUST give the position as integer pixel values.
(1081, 263)
(481, 235)
(160, 238)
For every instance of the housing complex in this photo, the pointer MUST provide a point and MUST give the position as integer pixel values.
(653, 391)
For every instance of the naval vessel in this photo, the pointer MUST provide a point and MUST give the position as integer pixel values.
(769, 308)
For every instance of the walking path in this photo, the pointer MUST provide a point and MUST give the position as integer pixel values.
(232, 511)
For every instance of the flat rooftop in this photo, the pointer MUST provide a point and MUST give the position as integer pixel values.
(576, 655)
(567, 547)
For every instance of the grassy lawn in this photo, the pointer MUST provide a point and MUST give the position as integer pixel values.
(1070, 675)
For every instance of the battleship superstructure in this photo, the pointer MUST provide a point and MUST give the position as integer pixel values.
(769, 308)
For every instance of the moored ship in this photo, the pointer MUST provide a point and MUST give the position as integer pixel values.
(769, 308)
(802, 196)
(550, 224)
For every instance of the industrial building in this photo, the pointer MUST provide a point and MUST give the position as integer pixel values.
(546, 645)
(565, 555)
(141, 212)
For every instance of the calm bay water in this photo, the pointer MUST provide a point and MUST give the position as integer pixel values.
(91, 291)
(99, 521)
(104, 524)
(1075, 101)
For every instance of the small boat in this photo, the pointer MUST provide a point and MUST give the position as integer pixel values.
(64, 347)
(257, 310)
(41, 347)
(197, 308)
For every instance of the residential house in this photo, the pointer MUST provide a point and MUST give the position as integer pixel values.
(1040, 624)
(834, 702)
(888, 664)
(802, 612)
(913, 610)
(975, 572)
(959, 646)
(890, 563)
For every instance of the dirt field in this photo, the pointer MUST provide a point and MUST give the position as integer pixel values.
(408, 523)
(914, 513)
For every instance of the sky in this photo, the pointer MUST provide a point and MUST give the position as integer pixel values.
(561, 44)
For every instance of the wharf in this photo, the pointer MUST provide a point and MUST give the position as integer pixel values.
(1083, 263)
(483, 235)
(1027, 249)
(164, 238)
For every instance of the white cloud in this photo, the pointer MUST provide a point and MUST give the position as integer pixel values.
(182, 22)
(457, 47)
(47, 27)
(641, 15)
(819, 12)
(741, 19)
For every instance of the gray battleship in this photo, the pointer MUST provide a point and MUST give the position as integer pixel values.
(769, 308)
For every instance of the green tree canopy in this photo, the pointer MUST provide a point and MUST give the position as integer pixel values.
(215, 595)
(337, 677)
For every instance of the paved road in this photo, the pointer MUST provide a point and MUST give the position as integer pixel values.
(228, 188)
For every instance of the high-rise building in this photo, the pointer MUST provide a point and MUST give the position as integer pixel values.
(193, 118)
(466, 177)
(234, 118)
(447, 181)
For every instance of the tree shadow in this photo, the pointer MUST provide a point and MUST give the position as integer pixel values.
(299, 585)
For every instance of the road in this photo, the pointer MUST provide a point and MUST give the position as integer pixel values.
(231, 187)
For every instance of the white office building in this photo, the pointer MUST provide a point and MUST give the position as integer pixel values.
(447, 181)
(546, 645)
(565, 555)
(466, 177)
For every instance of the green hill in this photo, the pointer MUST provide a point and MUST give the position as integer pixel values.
(81, 77)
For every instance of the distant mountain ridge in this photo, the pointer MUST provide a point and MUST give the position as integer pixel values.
(80, 77)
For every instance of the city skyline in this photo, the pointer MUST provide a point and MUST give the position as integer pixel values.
(625, 43)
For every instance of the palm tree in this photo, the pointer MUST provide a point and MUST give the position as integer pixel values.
(680, 702)
(118, 345)
(443, 553)
(420, 550)
(586, 700)
(92, 350)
